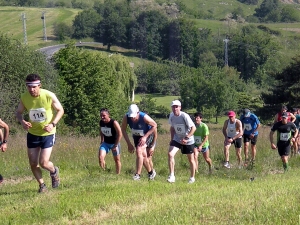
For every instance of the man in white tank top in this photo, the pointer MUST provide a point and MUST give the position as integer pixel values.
(233, 132)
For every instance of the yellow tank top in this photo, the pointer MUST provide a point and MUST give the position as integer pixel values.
(40, 111)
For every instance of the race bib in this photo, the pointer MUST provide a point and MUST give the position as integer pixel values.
(198, 140)
(248, 126)
(38, 115)
(284, 136)
(180, 129)
(137, 132)
(106, 131)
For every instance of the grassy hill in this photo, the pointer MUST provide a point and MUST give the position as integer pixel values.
(11, 22)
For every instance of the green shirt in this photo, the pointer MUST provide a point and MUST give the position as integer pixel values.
(200, 133)
(40, 111)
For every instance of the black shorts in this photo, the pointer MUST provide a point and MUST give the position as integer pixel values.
(185, 149)
(248, 139)
(149, 141)
(284, 148)
(43, 142)
(237, 142)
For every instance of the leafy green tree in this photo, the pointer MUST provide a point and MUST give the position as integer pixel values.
(91, 81)
(84, 23)
(111, 31)
(17, 61)
(249, 50)
(286, 89)
(146, 33)
(211, 88)
(62, 31)
(266, 7)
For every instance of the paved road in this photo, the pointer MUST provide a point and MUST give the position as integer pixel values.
(50, 50)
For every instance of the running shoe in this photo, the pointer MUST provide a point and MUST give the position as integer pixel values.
(227, 165)
(42, 188)
(151, 176)
(1, 179)
(136, 177)
(171, 179)
(55, 178)
(191, 180)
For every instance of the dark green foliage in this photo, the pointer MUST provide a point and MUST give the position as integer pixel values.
(91, 81)
(62, 31)
(147, 32)
(85, 23)
(286, 89)
(249, 50)
(249, 2)
(211, 89)
(16, 62)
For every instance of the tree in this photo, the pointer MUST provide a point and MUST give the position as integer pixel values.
(249, 50)
(211, 89)
(91, 81)
(146, 33)
(62, 31)
(266, 7)
(17, 61)
(85, 23)
(111, 31)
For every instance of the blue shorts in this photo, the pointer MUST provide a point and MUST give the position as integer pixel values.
(205, 149)
(43, 142)
(107, 147)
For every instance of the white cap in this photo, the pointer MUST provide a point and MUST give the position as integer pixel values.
(176, 102)
(133, 110)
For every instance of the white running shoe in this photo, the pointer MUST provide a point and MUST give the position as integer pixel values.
(227, 165)
(136, 177)
(191, 180)
(171, 179)
(151, 176)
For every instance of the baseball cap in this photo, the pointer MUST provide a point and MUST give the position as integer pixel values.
(133, 110)
(284, 115)
(176, 102)
(231, 113)
(246, 112)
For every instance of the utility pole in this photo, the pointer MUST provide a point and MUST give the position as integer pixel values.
(226, 51)
(44, 25)
(23, 18)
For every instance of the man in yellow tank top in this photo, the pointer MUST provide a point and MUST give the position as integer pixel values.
(44, 111)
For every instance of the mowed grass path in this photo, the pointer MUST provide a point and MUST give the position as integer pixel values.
(88, 195)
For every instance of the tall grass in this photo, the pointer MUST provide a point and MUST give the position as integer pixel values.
(89, 195)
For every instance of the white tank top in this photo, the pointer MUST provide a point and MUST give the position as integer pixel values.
(231, 129)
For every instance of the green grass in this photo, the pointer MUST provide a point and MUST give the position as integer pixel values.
(88, 195)
(159, 99)
(12, 25)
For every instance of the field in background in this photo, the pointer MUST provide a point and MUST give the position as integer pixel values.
(12, 25)
(88, 195)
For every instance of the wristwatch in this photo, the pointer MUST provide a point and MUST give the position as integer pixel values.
(54, 124)
(4, 141)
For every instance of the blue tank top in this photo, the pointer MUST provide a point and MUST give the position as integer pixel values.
(139, 128)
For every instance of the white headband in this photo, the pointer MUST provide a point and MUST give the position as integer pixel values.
(33, 83)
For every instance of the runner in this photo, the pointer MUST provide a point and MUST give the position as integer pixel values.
(182, 130)
(233, 132)
(201, 141)
(251, 125)
(111, 134)
(144, 130)
(3, 139)
(44, 111)
(284, 136)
